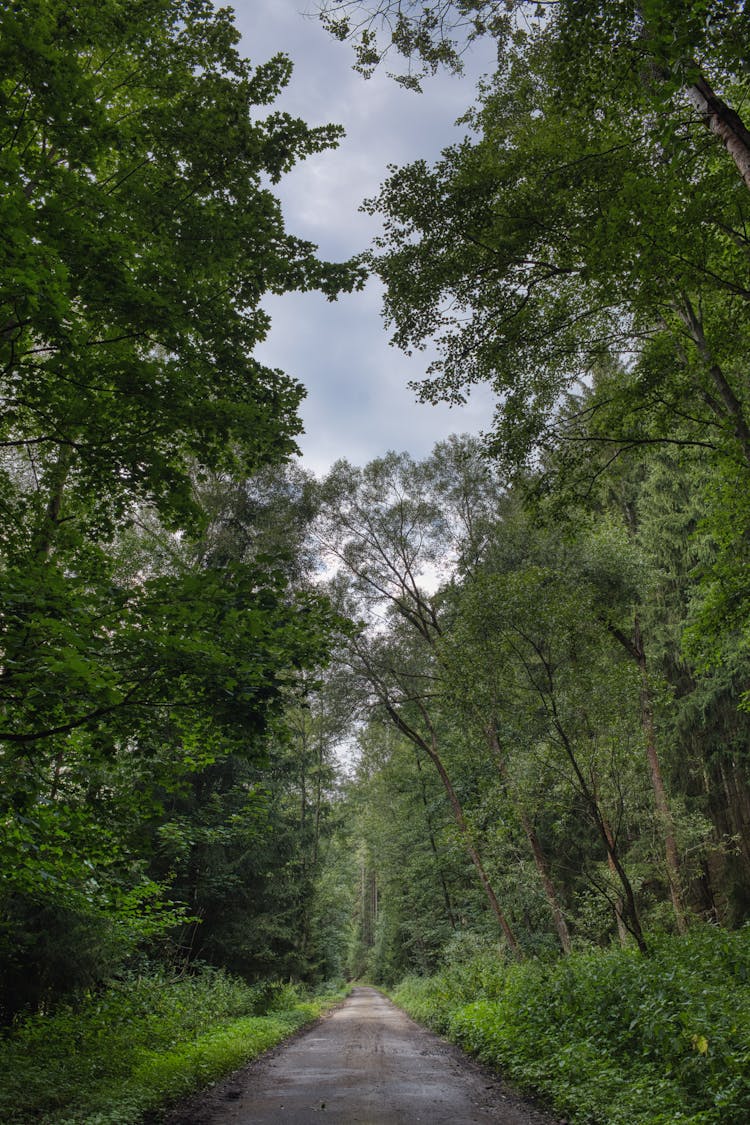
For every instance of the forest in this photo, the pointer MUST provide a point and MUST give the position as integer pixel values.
(473, 727)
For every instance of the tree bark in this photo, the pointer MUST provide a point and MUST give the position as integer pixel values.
(617, 906)
(433, 845)
(635, 648)
(724, 122)
(629, 908)
(46, 532)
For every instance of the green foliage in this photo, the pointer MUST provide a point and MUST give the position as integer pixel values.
(554, 740)
(144, 239)
(610, 1036)
(145, 1041)
(579, 686)
(408, 856)
(150, 633)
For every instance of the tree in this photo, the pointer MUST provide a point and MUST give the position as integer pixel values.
(671, 509)
(172, 796)
(385, 529)
(425, 889)
(584, 253)
(531, 270)
(655, 54)
(138, 655)
(144, 239)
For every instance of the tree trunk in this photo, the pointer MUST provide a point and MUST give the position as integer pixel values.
(663, 811)
(45, 533)
(629, 908)
(542, 866)
(433, 845)
(636, 649)
(732, 407)
(540, 858)
(472, 851)
(617, 906)
(724, 122)
(737, 807)
(318, 802)
(430, 749)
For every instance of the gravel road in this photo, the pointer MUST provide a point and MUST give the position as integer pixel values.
(365, 1064)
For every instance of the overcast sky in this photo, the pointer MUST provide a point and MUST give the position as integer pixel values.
(358, 404)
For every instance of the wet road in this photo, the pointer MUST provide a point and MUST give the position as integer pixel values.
(366, 1064)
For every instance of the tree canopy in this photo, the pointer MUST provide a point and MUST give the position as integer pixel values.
(141, 649)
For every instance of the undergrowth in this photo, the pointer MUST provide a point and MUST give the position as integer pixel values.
(609, 1037)
(143, 1043)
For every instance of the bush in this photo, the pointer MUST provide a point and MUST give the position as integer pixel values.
(145, 1041)
(610, 1037)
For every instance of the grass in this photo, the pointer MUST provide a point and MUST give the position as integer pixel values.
(609, 1037)
(141, 1045)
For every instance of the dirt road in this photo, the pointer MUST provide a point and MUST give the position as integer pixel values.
(367, 1063)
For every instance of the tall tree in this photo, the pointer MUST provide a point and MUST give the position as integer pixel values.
(138, 158)
(383, 526)
(144, 238)
(534, 253)
(656, 54)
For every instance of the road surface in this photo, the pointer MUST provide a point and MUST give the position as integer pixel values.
(365, 1064)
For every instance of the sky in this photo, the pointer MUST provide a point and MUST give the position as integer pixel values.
(358, 403)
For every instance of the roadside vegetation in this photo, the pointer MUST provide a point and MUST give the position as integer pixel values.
(143, 1043)
(607, 1035)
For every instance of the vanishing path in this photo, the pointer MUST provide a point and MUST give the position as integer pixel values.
(367, 1063)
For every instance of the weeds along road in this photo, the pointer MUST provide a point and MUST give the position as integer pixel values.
(366, 1064)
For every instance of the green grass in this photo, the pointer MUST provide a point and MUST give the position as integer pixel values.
(141, 1045)
(610, 1037)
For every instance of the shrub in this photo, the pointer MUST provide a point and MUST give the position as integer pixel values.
(610, 1036)
(146, 1040)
